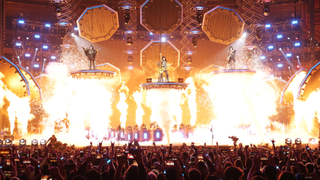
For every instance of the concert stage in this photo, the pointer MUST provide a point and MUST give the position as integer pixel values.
(171, 85)
(234, 71)
(92, 74)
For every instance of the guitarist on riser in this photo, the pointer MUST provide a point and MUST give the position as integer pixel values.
(163, 69)
(91, 55)
(231, 57)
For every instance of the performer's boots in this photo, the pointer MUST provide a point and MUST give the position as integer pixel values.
(167, 76)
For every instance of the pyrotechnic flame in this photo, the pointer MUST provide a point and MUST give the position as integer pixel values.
(242, 103)
(165, 106)
(192, 100)
(87, 103)
(122, 105)
(137, 96)
(19, 109)
(293, 88)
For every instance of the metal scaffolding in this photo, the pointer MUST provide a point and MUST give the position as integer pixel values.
(251, 13)
(188, 25)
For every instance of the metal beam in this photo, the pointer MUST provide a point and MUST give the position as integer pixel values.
(2, 30)
(312, 32)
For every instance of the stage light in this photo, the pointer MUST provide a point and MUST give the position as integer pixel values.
(163, 39)
(136, 136)
(298, 66)
(126, 17)
(270, 47)
(36, 65)
(58, 11)
(22, 142)
(157, 134)
(268, 25)
(244, 35)
(21, 21)
(187, 68)
(145, 136)
(129, 39)
(27, 55)
(288, 141)
(297, 141)
(47, 25)
(18, 44)
(43, 142)
(279, 36)
(73, 35)
(266, 10)
(312, 141)
(121, 135)
(194, 40)
(37, 36)
(63, 23)
(294, 22)
(53, 57)
(297, 44)
(151, 33)
(45, 47)
(280, 65)
(199, 15)
(262, 57)
(129, 137)
(190, 134)
(76, 28)
(189, 59)
(34, 142)
(288, 54)
(8, 142)
(130, 59)
(199, 8)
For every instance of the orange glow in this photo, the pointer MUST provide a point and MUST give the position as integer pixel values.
(122, 105)
(137, 96)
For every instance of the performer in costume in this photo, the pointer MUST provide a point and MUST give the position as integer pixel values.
(231, 57)
(163, 69)
(91, 54)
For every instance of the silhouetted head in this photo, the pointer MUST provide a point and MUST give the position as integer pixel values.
(90, 47)
(164, 58)
(230, 48)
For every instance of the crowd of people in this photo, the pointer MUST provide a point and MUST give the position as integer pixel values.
(134, 162)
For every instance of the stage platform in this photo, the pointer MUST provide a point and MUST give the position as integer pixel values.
(158, 85)
(92, 74)
(234, 71)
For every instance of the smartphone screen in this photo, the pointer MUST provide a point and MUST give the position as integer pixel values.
(130, 156)
(169, 163)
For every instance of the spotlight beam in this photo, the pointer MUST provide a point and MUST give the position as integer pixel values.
(298, 58)
(32, 61)
(293, 68)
